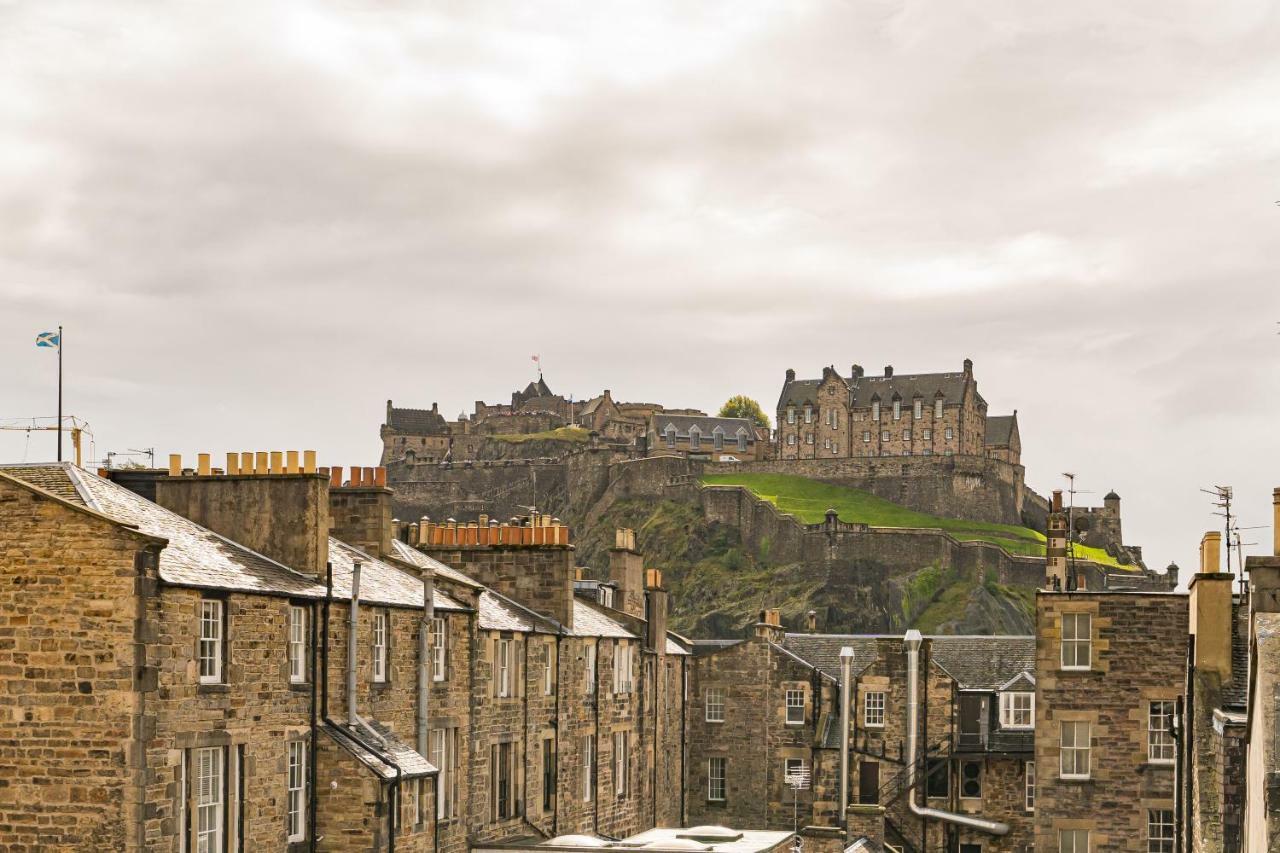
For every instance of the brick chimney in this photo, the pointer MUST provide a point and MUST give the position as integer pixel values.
(1055, 563)
(626, 571)
(1210, 603)
(360, 509)
(271, 503)
(1264, 572)
(529, 560)
(656, 628)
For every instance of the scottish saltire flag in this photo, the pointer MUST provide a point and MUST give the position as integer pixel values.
(48, 339)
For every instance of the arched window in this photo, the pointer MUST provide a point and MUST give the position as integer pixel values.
(937, 407)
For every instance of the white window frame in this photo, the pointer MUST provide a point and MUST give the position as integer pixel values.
(794, 700)
(717, 439)
(1074, 754)
(897, 410)
(885, 435)
(717, 778)
(742, 440)
(622, 668)
(589, 668)
(621, 764)
(917, 409)
(875, 411)
(1029, 788)
(588, 768)
(1160, 745)
(937, 409)
(801, 766)
(695, 438)
(791, 414)
(438, 640)
(502, 668)
(1160, 834)
(808, 414)
(926, 434)
(791, 439)
(209, 792)
(1071, 638)
(948, 433)
(296, 791)
(548, 671)
(380, 630)
(212, 640)
(1014, 704)
(1069, 841)
(873, 708)
(906, 434)
(297, 644)
(415, 802)
(866, 436)
(714, 700)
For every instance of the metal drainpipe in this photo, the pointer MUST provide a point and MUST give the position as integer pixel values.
(912, 642)
(354, 720)
(846, 669)
(424, 660)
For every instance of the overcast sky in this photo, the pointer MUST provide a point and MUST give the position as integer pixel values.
(259, 221)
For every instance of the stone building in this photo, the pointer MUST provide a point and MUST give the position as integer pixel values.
(700, 436)
(917, 414)
(192, 671)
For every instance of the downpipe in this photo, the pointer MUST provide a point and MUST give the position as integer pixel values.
(912, 642)
(354, 720)
(846, 670)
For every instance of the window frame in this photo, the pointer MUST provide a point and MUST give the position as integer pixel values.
(917, 409)
(937, 409)
(213, 613)
(708, 704)
(588, 768)
(1075, 641)
(1160, 740)
(548, 670)
(621, 765)
(439, 642)
(215, 828)
(502, 668)
(803, 766)
(1029, 786)
(879, 706)
(1009, 710)
(590, 667)
(296, 790)
(1075, 750)
(1162, 820)
(381, 637)
(721, 763)
(897, 410)
(1073, 834)
(297, 644)
(794, 693)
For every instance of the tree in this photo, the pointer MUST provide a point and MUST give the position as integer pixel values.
(742, 406)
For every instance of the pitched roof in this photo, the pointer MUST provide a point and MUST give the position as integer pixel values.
(380, 582)
(823, 650)
(1000, 430)
(408, 553)
(984, 663)
(797, 392)
(592, 620)
(397, 752)
(710, 647)
(706, 425)
(1235, 693)
(499, 613)
(52, 477)
(417, 421)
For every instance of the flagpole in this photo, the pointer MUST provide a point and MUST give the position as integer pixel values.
(59, 393)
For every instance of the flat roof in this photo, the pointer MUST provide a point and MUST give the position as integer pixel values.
(711, 839)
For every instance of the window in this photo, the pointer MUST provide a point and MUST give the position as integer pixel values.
(808, 414)
(1073, 841)
(297, 644)
(971, 780)
(210, 646)
(1159, 831)
(695, 438)
(621, 763)
(1075, 750)
(671, 436)
(716, 778)
(606, 596)
(808, 439)
(208, 791)
(795, 707)
(715, 704)
(948, 433)
(717, 439)
(548, 671)
(791, 416)
(548, 775)
(590, 668)
(1076, 640)
(502, 661)
(826, 444)
(938, 782)
(791, 439)
(415, 802)
(917, 409)
(795, 774)
(906, 435)
(1031, 786)
(897, 410)
(437, 638)
(622, 667)
(443, 745)
(296, 819)
(875, 410)
(873, 710)
(379, 646)
(742, 440)
(927, 434)
(1160, 732)
(1017, 710)
(505, 803)
(937, 409)
(588, 768)
(884, 435)
(866, 436)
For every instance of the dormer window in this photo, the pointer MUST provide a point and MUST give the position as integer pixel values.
(695, 438)
(808, 414)
(917, 408)
(717, 438)
(742, 440)
(897, 410)
(671, 435)
(875, 410)
(1017, 710)
(791, 415)
(937, 408)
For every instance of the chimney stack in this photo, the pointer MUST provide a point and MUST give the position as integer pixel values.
(968, 366)
(1264, 572)
(888, 371)
(656, 628)
(811, 621)
(1211, 552)
(1210, 603)
(857, 371)
(791, 375)
(770, 625)
(626, 571)
(361, 511)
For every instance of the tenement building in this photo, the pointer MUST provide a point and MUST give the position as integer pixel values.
(903, 414)
(250, 659)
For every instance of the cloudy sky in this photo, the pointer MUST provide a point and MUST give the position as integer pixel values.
(259, 221)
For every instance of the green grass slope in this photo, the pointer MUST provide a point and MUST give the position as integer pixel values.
(808, 500)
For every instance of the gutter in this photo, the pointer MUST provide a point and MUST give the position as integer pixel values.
(912, 641)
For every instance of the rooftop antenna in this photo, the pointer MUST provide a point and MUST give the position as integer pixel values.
(1072, 491)
(1222, 500)
(1239, 546)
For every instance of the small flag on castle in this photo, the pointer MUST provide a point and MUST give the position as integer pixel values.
(537, 359)
(53, 340)
(49, 339)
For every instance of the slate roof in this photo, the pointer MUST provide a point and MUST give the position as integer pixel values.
(410, 554)
(380, 582)
(411, 762)
(591, 620)
(984, 663)
(417, 421)
(999, 430)
(1235, 694)
(709, 647)
(499, 613)
(52, 477)
(823, 650)
(706, 425)
(798, 392)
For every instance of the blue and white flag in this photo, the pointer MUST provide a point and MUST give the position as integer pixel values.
(48, 339)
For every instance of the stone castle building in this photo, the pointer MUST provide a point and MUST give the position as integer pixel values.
(915, 414)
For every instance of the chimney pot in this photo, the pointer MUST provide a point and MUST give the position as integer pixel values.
(791, 375)
(175, 464)
(246, 463)
(1211, 552)
(233, 464)
(202, 464)
(380, 477)
(260, 465)
(335, 477)
(277, 462)
(308, 461)
(291, 462)
(1057, 500)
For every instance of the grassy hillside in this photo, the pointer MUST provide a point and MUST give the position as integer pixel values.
(577, 435)
(808, 500)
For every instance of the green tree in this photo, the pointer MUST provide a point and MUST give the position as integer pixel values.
(742, 406)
